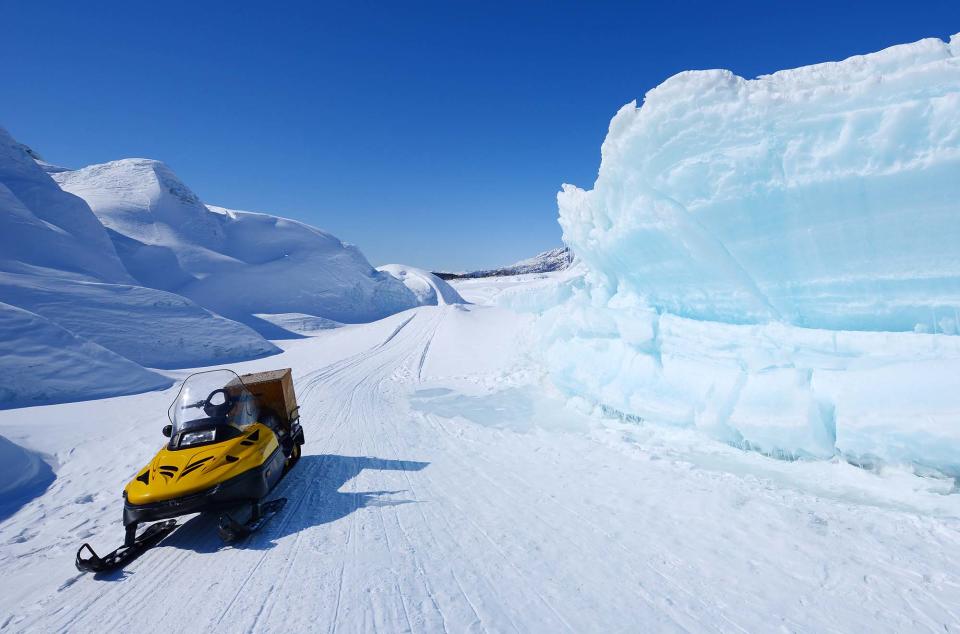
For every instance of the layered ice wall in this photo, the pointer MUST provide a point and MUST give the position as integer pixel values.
(776, 261)
(823, 196)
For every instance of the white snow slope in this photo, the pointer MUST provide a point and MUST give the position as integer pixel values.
(730, 215)
(155, 277)
(429, 289)
(41, 362)
(235, 263)
(445, 488)
(59, 268)
(23, 476)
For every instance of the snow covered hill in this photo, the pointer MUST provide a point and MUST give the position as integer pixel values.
(42, 362)
(43, 228)
(429, 289)
(147, 275)
(740, 233)
(235, 263)
(67, 297)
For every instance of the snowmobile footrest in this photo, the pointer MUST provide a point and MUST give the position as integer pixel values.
(125, 554)
(231, 530)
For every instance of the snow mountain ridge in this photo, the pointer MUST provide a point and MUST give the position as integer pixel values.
(557, 259)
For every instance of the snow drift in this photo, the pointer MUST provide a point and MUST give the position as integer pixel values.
(235, 263)
(429, 289)
(44, 228)
(23, 476)
(739, 230)
(41, 362)
(58, 263)
(147, 275)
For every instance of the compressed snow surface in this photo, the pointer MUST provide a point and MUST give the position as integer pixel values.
(444, 487)
(739, 235)
(429, 289)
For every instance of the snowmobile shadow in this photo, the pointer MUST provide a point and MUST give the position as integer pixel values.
(314, 498)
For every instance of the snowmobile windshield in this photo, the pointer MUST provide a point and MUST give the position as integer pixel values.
(207, 399)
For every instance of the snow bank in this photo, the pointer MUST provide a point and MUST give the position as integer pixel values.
(58, 261)
(23, 476)
(234, 263)
(299, 323)
(153, 328)
(41, 362)
(740, 233)
(429, 289)
(72, 324)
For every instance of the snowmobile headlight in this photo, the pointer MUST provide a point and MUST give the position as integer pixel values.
(197, 437)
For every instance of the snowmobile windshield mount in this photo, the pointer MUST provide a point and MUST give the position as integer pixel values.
(212, 399)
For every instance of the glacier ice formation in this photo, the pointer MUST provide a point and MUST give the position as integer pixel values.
(776, 261)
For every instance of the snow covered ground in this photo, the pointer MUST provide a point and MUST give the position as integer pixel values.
(447, 487)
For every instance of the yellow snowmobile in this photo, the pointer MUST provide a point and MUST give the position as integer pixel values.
(232, 439)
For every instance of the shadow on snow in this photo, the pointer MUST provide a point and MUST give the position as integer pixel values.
(314, 498)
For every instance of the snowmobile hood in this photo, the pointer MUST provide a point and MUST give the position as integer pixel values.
(181, 472)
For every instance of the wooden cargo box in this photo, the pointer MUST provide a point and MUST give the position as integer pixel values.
(273, 390)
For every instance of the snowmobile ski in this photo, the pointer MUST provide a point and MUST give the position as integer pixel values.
(124, 554)
(231, 530)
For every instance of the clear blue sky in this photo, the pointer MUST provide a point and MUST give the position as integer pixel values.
(434, 134)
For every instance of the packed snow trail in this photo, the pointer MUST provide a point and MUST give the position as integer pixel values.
(403, 519)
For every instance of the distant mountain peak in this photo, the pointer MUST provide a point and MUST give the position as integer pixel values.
(553, 260)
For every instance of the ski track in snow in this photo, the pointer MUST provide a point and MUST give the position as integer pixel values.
(400, 520)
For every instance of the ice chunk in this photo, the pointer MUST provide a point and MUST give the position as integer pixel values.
(825, 196)
(776, 413)
(742, 240)
(902, 412)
